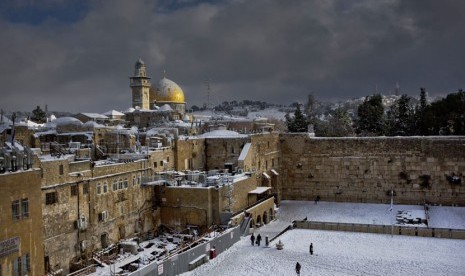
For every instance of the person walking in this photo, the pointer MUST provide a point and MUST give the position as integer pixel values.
(311, 248)
(259, 239)
(297, 268)
(252, 239)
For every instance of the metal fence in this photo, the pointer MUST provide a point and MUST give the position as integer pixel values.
(383, 229)
(187, 260)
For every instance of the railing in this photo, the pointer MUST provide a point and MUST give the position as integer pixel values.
(383, 229)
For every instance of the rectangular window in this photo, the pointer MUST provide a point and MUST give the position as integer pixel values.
(161, 163)
(26, 266)
(15, 209)
(115, 185)
(133, 180)
(24, 208)
(17, 266)
(74, 190)
(168, 159)
(105, 188)
(85, 188)
(51, 198)
(99, 188)
(125, 183)
(120, 184)
(61, 169)
(155, 164)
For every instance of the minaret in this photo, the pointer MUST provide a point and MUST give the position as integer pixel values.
(140, 86)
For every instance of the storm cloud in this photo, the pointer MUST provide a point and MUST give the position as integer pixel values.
(275, 51)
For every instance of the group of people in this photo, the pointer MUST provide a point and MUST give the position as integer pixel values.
(297, 265)
(257, 240)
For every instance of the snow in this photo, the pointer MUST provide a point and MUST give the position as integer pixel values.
(222, 134)
(260, 190)
(341, 253)
(244, 152)
(113, 113)
(67, 121)
(345, 253)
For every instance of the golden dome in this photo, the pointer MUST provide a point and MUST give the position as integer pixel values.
(168, 91)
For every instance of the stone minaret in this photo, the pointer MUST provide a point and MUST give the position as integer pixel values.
(140, 86)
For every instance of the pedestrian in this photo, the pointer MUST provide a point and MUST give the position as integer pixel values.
(297, 268)
(252, 239)
(311, 248)
(259, 239)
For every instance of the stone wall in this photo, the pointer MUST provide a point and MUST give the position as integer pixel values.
(22, 185)
(220, 151)
(190, 154)
(366, 169)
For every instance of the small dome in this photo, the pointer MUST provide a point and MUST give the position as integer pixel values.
(168, 91)
(66, 121)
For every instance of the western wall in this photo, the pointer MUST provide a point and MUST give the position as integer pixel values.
(417, 169)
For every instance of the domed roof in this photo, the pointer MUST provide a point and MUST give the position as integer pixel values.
(67, 121)
(168, 91)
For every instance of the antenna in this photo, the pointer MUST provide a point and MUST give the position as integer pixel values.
(397, 89)
(207, 82)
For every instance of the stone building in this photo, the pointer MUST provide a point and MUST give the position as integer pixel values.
(21, 238)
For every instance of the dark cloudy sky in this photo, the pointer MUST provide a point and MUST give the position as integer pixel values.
(77, 55)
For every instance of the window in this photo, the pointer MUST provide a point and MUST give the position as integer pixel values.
(74, 190)
(167, 159)
(24, 208)
(22, 265)
(26, 262)
(99, 188)
(115, 185)
(105, 187)
(272, 162)
(155, 164)
(138, 180)
(85, 188)
(125, 182)
(61, 169)
(51, 198)
(133, 180)
(161, 163)
(17, 267)
(15, 209)
(120, 184)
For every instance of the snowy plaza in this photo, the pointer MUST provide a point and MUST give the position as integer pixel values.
(346, 253)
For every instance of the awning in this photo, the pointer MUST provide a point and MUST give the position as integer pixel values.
(266, 176)
(274, 172)
(260, 190)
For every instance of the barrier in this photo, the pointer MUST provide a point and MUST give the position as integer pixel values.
(185, 261)
(383, 229)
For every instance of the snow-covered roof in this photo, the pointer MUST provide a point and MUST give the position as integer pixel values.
(130, 110)
(94, 115)
(113, 113)
(165, 107)
(266, 175)
(66, 121)
(223, 134)
(93, 124)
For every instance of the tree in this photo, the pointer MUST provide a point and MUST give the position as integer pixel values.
(310, 109)
(400, 118)
(338, 124)
(371, 116)
(38, 116)
(298, 123)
